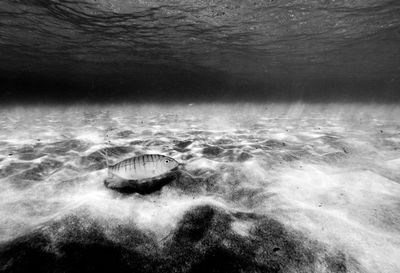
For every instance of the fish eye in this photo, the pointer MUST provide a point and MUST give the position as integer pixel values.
(167, 161)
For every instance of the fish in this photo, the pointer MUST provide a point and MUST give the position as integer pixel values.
(143, 167)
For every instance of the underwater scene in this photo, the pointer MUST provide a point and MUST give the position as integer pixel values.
(276, 187)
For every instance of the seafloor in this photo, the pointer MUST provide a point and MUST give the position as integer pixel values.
(277, 188)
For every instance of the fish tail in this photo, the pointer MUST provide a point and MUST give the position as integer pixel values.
(105, 155)
(107, 162)
(105, 152)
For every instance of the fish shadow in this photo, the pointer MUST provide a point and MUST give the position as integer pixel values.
(144, 188)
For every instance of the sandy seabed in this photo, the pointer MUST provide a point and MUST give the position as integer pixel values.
(274, 188)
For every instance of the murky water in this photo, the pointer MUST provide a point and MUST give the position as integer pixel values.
(264, 39)
(275, 188)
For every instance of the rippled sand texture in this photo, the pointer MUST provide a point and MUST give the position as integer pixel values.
(275, 188)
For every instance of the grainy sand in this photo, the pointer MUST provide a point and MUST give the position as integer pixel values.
(279, 188)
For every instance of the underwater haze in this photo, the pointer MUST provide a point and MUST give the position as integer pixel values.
(271, 188)
(134, 50)
(283, 116)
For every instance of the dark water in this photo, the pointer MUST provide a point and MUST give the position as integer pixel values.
(346, 46)
(275, 188)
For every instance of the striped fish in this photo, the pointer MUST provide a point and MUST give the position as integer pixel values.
(143, 167)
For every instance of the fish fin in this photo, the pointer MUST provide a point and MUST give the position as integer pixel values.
(114, 181)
